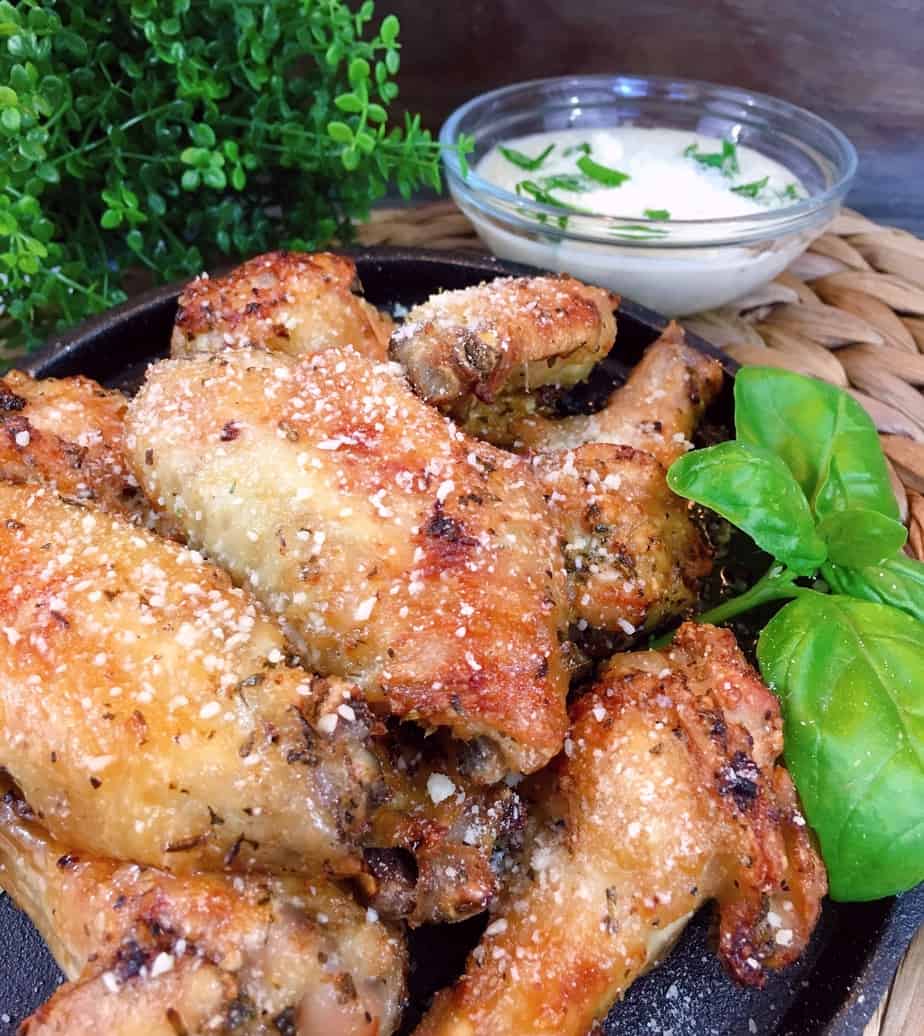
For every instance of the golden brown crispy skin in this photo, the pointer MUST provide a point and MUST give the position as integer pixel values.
(634, 558)
(668, 795)
(67, 433)
(402, 554)
(657, 410)
(146, 949)
(146, 708)
(287, 302)
(507, 335)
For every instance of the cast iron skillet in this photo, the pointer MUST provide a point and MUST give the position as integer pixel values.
(831, 991)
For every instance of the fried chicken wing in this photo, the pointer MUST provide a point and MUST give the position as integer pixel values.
(67, 433)
(633, 556)
(668, 795)
(287, 302)
(150, 952)
(402, 555)
(657, 410)
(506, 336)
(147, 710)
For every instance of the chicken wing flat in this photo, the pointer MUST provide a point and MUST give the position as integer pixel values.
(633, 556)
(67, 433)
(505, 336)
(149, 952)
(147, 710)
(657, 410)
(286, 302)
(668, 794)
(402, 555)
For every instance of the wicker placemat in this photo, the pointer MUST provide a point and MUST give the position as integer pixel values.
(849, 311)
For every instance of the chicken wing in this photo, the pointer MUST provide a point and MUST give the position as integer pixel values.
(402, 555)
(147, 710)
(67, 433)
(286, 302)
(668, 795)
(633, 556)
(657, 410)
(149, 952)
(506, 336)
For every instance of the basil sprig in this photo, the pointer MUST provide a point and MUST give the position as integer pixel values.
(806, 480)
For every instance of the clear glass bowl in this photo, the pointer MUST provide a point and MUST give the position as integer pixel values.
(690, 265)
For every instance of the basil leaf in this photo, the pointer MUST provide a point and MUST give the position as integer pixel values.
(858, 536)
(754, 490)
(524, 161)
(898, 581)
(849, 675)
(657, 214)
(602, 173)
(752, 189)
(824, 436)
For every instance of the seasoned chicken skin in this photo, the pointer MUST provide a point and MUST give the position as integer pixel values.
(668, 794)
(402, 555)
(509, 335)
(657, 410)
(287, 302)
(149, 952)
(147, 711)
(633, 556)
(67, 433)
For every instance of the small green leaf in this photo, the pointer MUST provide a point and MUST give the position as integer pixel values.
(10, 119)
(340, 132)
(190, 180)
(755, 491)
(349, 103)
(601, 173)
(726, 160)
(110, 219)
(859, 537)
(659, 215)
(524, 161)
(389, 30)
(203, 135)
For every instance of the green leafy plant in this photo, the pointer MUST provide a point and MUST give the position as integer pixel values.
(169, 134)
(806, 480)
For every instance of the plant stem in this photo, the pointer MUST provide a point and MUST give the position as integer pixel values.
(776, 584)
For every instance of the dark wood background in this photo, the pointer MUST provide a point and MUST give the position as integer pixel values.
(859, 63)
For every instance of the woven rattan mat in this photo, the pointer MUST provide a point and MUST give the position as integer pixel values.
(849, 311)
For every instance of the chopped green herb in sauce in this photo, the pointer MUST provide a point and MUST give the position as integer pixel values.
(726, 160)
(659, 215)
(752, 189)
(577, 149)
(602, 173)
(524, 161)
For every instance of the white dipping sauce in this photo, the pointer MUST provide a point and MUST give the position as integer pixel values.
(652, 175)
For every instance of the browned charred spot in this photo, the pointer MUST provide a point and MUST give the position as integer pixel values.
(60, 619)
(246, 746)
(185, 844)
(9, 401)
(149, 456)
(740, 780)
(346, 989)
(176, 1022)
(444, 527)
(288, 430)
(95, 783)
(542, 670)
(67, 862)
(214, 818)
(230, 432)
(285, 1022)
(131, 958)
(13, 525)
(252, 307)
(14, 426)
